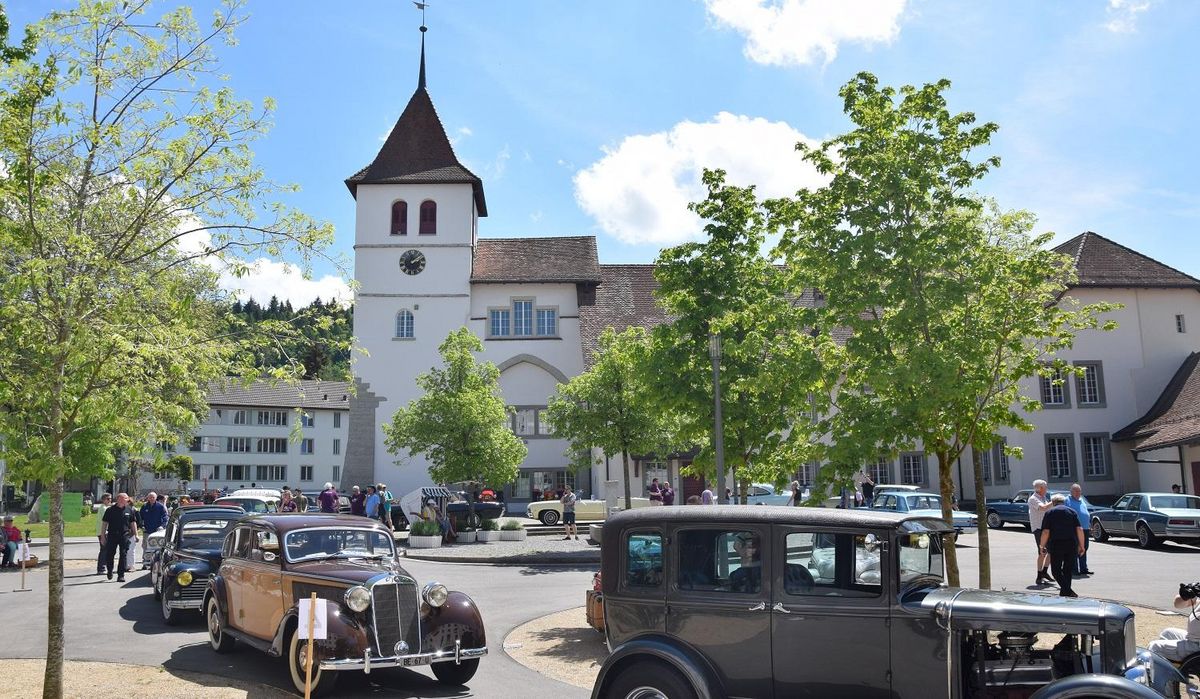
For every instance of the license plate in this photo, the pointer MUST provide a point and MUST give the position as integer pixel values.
(409, 662)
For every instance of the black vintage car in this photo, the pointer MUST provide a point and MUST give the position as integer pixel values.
(732, 601)
(190, 553)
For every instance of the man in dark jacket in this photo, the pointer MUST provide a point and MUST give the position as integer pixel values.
(1062, 538)
(153, 516)
(120, 527)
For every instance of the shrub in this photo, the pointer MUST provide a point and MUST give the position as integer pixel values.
(423, 528)
(491, 525)
(512, 525)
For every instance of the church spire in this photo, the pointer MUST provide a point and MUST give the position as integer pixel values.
(421, 75)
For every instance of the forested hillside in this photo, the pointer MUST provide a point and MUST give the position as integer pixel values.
(317, 336)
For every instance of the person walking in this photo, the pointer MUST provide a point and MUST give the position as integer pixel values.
(1062, 540)
(795, 499)
(154, 517)
(121, 526)
(105, 503)
(568, 501)
(358, 502)
(1038, 504)
(1076, 503)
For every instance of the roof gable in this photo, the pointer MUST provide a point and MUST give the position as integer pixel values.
(1175, 416)
(558, 259)
(1100, 262)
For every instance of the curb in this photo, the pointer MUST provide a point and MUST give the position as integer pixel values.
(523, 559)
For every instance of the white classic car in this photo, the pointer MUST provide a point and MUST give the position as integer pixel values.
(549, 512)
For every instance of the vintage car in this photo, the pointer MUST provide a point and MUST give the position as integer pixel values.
(376, 615)
(725, 601)
(454, 505)
(1016, 509)
(191, 552)
(549, 512)
(250, 503)
(1151, 518)
(925, 505)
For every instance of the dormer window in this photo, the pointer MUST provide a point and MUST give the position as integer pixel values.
(428, 217)
(400, 218)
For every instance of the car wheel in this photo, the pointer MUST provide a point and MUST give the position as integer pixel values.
(322, 681)
(155, 581)
(549, 517)
(455, 674)
(170, 616)
(1145, 537)
(647, 679)
(220, 641)
(1098, 531)
(993, 520)
(1190, 669)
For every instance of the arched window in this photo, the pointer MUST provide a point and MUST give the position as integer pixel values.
(428, 217)
(400, 218)
(404, 324)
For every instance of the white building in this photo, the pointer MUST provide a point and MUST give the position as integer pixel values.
(539, 304)
(247, 439)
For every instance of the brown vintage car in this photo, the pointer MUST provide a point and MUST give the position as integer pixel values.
(376, 616)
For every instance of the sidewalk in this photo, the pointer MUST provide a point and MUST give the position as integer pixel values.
(538, 550)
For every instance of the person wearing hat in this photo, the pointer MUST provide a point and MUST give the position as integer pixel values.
(10, 536)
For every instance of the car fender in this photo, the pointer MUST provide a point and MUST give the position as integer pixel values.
(1095, 686)
(457, 619)
(345, 637)
(216, 589)
(692, 665)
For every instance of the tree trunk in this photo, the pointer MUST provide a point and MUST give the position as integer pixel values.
(985, 551)
(625, 465)
(946, 488)
(52, 683)
(744, 490)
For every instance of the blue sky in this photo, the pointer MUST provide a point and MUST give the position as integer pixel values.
(588, 117)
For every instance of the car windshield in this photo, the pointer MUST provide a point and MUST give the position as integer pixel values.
(920, 555)
(203, 533)
(338, 542)
(1182, 502)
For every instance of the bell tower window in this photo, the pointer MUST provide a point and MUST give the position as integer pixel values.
(400, 218)
(404, 325)
(428, 218)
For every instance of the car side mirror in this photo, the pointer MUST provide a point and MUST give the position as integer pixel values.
(269, 557)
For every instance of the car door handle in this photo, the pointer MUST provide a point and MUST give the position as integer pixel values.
(758, 607)
(778, 607)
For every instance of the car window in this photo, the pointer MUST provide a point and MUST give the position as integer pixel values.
(759, 490)
(643, 559)
(1122, 503)
(889, 502)
(1023, 496)
(1135, 503)
(203, 533)
(831, 565)
(1176, 501)
(264, 546)
(238, 545)
(720, 560)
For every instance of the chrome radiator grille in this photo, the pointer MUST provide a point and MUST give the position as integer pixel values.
(395, 609)
(195, 591)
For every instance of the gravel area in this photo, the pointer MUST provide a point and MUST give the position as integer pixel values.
(82, 680)
(535, 549)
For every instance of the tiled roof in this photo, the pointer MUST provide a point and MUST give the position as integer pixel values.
(326, 395)
(560, 259)
(1101, 262)
(1175, 417)
(418, 151)
(625, 298)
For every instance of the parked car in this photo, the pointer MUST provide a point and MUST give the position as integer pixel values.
(836, 500)
(1016, 509)
(456, 507)
(925, 505)
(549, 512)
(765, 494)
(729, 601)
(250, 503)
(376, 616)
(191, 552)
(1151, 518)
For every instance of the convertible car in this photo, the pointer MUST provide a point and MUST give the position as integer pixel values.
(925, 505)
(1150, 518)
(549, 512)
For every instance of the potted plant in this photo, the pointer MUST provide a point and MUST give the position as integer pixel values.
(466, 535)
(490, 531)
(512, 530)
(424, 535)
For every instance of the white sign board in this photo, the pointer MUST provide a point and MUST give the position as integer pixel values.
(24, 551)
(318, 628)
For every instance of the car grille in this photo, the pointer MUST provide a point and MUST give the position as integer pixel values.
(195, 591)
(395, 611)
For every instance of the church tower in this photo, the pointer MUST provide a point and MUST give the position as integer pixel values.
(416, 220)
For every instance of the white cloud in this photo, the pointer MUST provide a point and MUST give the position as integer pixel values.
(1122, 15)
(461, 133)
(269, 278)
(536, 216)
(639, 191)
(801, 32)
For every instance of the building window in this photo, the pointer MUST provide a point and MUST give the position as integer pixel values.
(1096, 450)
(807, 473)
(404, 324)
(1089, 385)
(428, 218)
(306, 473)
(547, 322)
(500, 322)
(214, 416)
(1060, 450)
(1001, 460)
(306, 446)
(544, 426)
(207, 472)
(337, 447)
(400, 218)
(271, 445)
(337, 420)
(912, 468)
(525, 422)
(168, 447)
(1180, 325)
(1054, 389)
(880, 471)
(271, 473)
(238, 445)
(238, 472)
(337, 475)
(522, 318)
(240, 417)
(306, 419)
(194, 445)
(985, 465)
(272, 417)
(210, 445)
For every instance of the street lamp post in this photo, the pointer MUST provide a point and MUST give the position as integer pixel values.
(714, 353)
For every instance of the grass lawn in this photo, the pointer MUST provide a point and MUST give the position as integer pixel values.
(84, 527)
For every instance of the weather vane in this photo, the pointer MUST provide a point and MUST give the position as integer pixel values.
(421, 6)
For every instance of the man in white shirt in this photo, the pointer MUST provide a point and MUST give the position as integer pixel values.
(1038, 503)
(568, 501)
(1177, 644)
(105, 503)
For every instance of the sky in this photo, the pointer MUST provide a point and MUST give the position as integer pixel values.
(589, 117)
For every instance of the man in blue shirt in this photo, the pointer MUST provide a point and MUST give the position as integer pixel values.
(1075, 502)
(154, 517)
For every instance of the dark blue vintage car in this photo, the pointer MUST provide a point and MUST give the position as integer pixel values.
(1150, 518)
(191, 552)
(1016, 509)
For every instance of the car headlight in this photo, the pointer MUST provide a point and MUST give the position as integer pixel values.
(1141, 670)
(184, 579)
(358, 598)
(435, 594)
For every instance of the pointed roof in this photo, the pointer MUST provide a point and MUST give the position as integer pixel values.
(417, 150)
(1101, 262)
(1175, 417)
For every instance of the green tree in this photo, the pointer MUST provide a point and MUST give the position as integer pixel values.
(10, 53)
(181, 466)
(128, 183)
(612, 405)
(770, 373)
(460, 422)
(948, 303)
